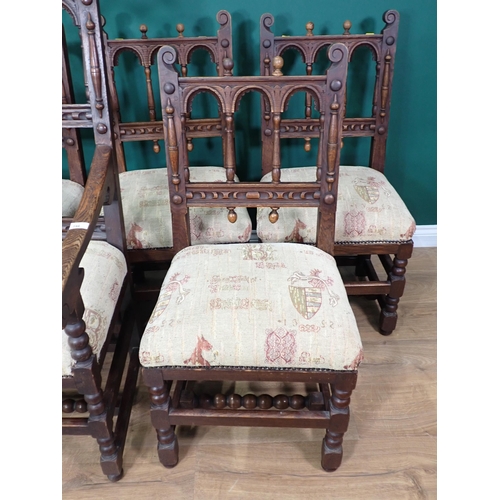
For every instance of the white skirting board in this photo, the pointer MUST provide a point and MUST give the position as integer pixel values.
(425, 236)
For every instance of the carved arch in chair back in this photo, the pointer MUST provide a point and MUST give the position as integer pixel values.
(220, 51)
(383, 48)
(177, 96)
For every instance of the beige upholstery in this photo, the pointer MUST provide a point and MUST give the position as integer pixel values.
(252, 305)
(146, 211)
(71, 195)
(105, 270)
(368, 210)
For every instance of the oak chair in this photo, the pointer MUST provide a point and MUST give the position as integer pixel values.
(252, 312)
(99, 343)
(145, 190)
(372, 219)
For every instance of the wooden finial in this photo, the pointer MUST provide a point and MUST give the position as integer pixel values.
(231, 215)
(347, 27)
(143, 29)
(277, 65)
(228, 65)
(309, 28)
(273, 215)
(180, 29)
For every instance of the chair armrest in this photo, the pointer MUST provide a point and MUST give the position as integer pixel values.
(76, 241)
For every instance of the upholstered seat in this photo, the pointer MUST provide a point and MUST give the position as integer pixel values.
(71, 195)
(284, 305)
(105, 269)
(369, 210)
(147, 215)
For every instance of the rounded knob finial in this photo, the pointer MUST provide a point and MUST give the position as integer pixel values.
(277, 65)
(273, 216)
(231, 216)
(180, 29)
(347, 26)
(228, 65)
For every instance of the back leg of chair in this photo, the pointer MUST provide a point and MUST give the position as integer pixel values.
(338, 406)
(396, 276)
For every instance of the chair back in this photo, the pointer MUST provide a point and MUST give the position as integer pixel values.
(145, 49)
(177, 95)
(383, 48)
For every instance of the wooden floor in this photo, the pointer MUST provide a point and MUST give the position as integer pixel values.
(389, 449)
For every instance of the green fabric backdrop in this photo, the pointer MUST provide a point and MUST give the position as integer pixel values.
(412, 144)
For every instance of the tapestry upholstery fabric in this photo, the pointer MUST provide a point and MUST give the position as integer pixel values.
(105, 269)
(72, 193)
(147, 216)
(369, 210)
(252, 305)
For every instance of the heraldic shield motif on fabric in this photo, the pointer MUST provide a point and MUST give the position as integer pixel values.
(306, 292)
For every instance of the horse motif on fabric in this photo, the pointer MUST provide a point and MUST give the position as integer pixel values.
(196, 357)
(133, 240)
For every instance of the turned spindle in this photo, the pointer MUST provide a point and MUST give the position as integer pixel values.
(347, 26)
(309, 28)
(143, 29)
(180, 29)
(235, 401)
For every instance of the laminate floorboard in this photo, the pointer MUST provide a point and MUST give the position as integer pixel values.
(389, 450)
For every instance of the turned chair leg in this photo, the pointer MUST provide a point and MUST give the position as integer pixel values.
(331, 450)
(388, 314)
(168, 447)
(101, 424)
